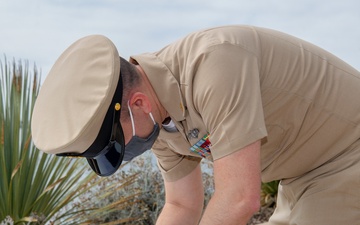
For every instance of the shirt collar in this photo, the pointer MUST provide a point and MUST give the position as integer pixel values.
(167, 88)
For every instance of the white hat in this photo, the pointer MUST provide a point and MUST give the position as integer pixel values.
(77, 100)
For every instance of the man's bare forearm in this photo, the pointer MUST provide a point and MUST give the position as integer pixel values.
(222, 211)
(237, 182)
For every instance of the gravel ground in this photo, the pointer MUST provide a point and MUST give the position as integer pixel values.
(262, 216)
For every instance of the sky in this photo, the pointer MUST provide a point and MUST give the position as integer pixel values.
(40, 30)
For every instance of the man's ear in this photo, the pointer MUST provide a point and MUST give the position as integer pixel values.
(141, 101)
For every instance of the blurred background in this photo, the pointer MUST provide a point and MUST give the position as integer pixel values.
(40, 30)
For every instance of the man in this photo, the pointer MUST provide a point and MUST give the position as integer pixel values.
(257, 102)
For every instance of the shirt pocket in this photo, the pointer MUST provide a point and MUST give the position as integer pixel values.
(177, 142)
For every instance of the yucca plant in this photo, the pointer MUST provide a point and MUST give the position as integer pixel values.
(36, 188)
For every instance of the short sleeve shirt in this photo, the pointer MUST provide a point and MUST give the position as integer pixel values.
(227, 87)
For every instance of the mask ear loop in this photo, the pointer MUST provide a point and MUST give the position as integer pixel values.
(151, 116)
(131, 118)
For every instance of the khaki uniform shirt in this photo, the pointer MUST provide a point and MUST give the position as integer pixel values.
(239, 84)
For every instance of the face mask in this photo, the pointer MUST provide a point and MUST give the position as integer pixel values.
(138, 145)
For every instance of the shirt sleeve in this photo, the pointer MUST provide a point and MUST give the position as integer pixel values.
(173, 165)
(227, 95)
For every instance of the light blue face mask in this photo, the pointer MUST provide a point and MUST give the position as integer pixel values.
(138, 145)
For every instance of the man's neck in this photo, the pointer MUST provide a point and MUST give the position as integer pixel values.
(152, 94)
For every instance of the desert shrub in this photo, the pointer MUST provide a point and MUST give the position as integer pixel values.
(147, 190)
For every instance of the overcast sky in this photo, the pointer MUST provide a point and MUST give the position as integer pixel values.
(40, 30)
